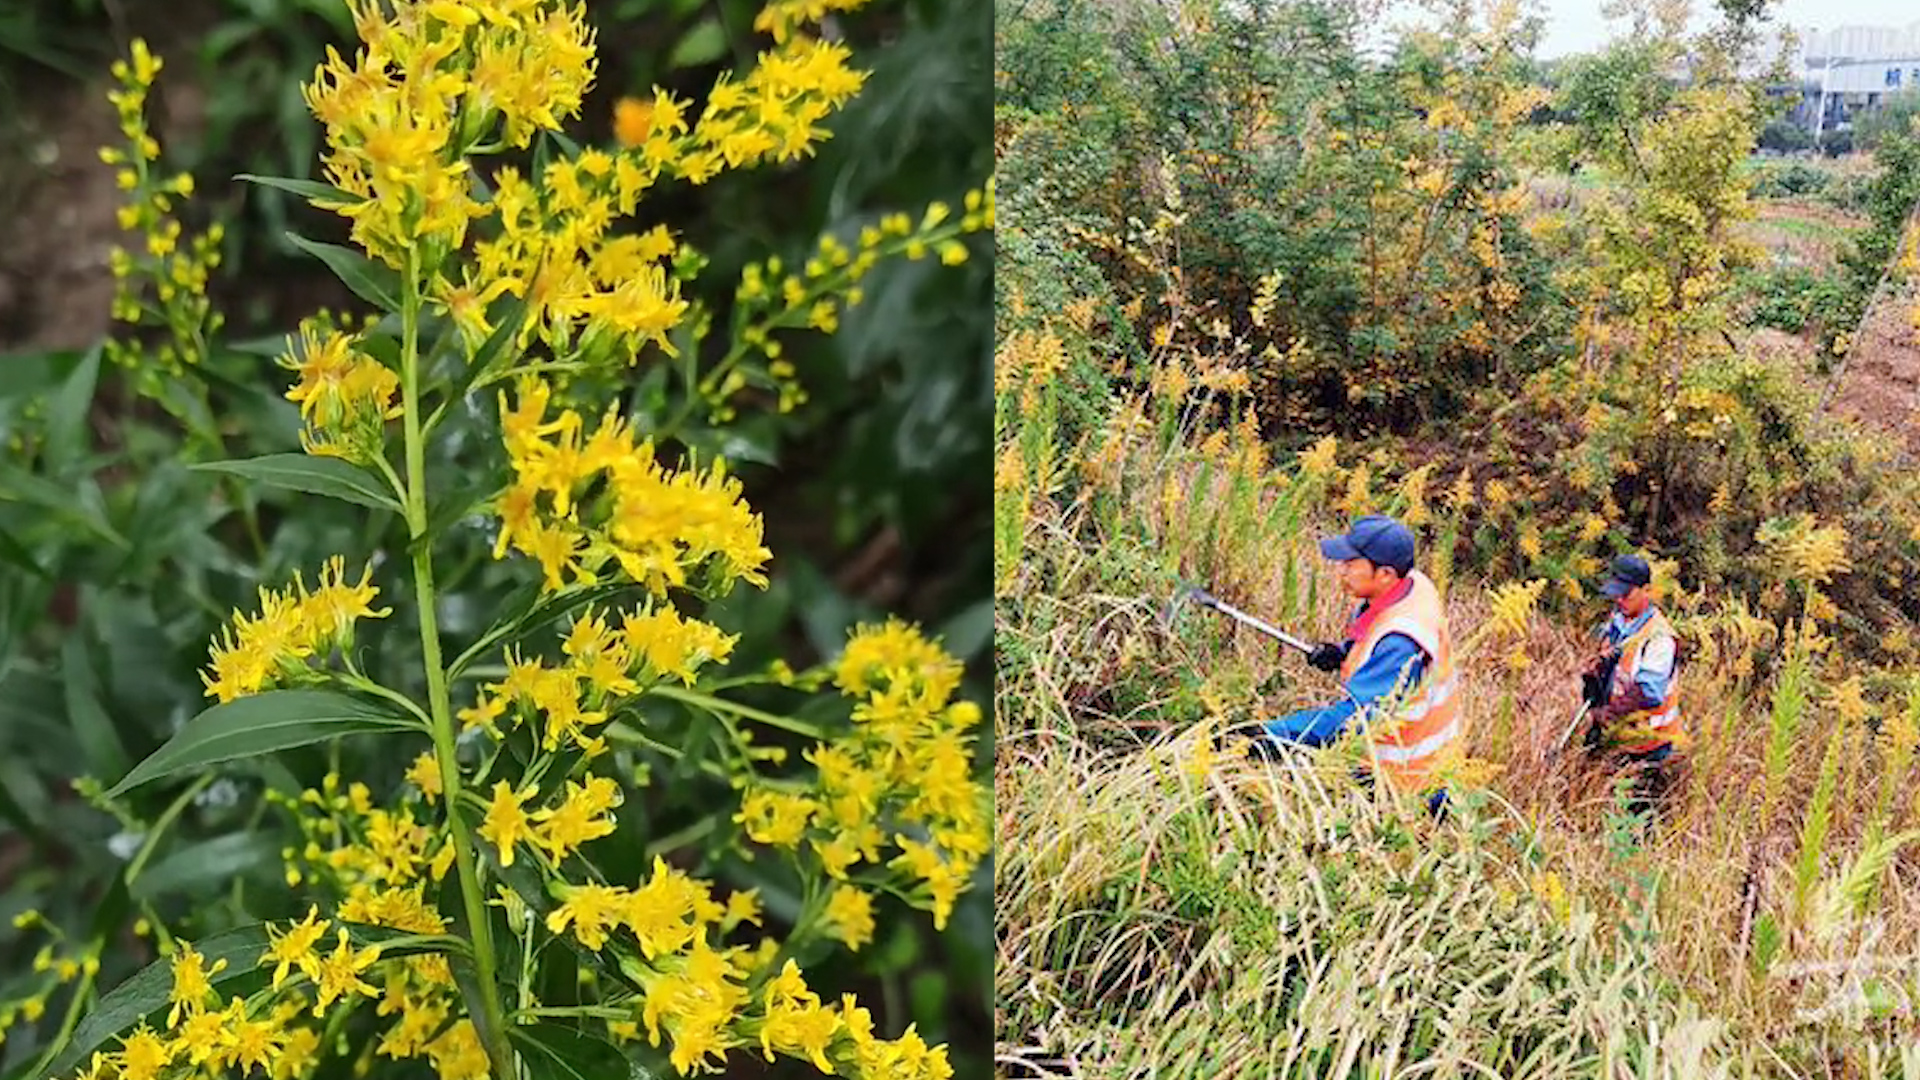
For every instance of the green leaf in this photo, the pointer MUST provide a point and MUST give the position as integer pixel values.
(262, 724)
(314, 475)
(312, 190)
(552, 1052)
(99, 741)
(1766, 943)
(703, 44)
(220, 859)
(369, 280)
(513, 316)
(21, 486)
(970, 631)
(149, 989)
(67, 438)
(16, 553)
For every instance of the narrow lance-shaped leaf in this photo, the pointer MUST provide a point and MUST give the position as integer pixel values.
(314, 475)
(369, 280)
(263, 724)
(312, 190)
(99, 741)
(552, 1052)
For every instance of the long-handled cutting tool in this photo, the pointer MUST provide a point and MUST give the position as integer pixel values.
(1195, 594)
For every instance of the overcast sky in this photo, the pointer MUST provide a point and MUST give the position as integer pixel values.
(1577, 25)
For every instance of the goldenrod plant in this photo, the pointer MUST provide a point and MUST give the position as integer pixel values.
(1171, 903)
(464, 921)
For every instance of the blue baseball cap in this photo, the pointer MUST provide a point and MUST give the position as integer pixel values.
(1627, 573)
(1376, 538)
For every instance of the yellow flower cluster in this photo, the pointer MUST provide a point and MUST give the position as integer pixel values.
(553, 252)
(584, 814)
(292, 625)
(655, 524)
(905, 769)
(203, 1036)
(782, 17)
(699, 1000)
(654, 644)
(345, 396)
(431, 84)
(429, 90)
(380, 862)
(177, 272)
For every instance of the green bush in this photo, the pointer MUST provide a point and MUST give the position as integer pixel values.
(1790, 179)
(1797, 299)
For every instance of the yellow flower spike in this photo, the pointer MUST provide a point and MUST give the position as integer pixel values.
(143, 1055)
(850, 916)
(590, 910)
(190, 983)
(506, 823)
(339, 973)
(425, 775)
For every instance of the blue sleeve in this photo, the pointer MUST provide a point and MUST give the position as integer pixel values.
(1311, 727)
(1375, 679)
(1394, 655)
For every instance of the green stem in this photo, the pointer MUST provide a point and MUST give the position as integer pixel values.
(82, 994)
(795, 316)
(499, 1054)
(393, 479)
(601, 1011)
(361, 682)
(716, 704)
(699, 830)
(160, 824)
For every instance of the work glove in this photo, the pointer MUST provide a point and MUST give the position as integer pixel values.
(1595, 738)
(1590, 686)
(1327, 656)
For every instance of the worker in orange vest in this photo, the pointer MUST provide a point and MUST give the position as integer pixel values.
(1632, 683)
(1395, 662)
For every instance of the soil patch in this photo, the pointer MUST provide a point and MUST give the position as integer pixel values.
(1880, 383)
(55, 288)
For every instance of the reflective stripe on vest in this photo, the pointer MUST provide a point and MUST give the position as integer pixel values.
(1666, 718)
(1426, 723)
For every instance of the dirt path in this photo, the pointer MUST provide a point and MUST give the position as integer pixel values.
(1879, 383)
(55, 289)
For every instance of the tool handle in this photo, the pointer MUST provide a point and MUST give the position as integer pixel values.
(1261, 625)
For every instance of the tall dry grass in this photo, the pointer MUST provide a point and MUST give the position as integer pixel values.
(1756, 929)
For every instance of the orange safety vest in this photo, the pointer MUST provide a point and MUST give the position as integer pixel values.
(1426, 725)
(1666, 718)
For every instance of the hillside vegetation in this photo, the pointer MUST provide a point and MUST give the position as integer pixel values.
(1254, 281)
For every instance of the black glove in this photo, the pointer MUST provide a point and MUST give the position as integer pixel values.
(1327, 656)
(1595, 738)
(1590, 690)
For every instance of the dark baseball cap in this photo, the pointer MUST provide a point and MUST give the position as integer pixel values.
(1376, 538)
(1627, 572)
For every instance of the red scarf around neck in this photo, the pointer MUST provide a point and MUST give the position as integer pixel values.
(1357, 629)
